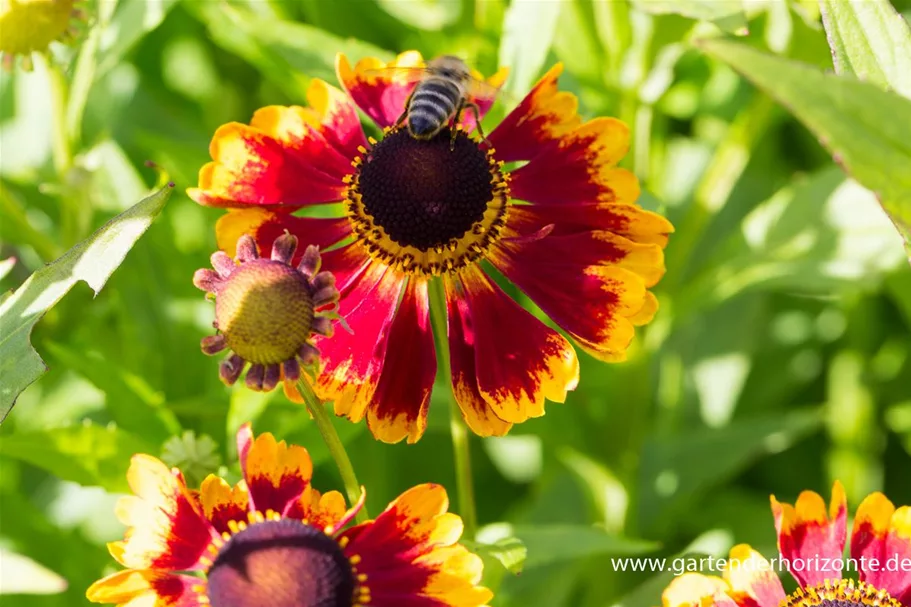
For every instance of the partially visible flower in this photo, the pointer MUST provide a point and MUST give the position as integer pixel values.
(812, 543)
(29, 26)
(542, 201)
(273, 539)
(267, 311)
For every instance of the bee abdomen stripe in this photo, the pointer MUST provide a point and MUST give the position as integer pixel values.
(431, 107)
(425, 93)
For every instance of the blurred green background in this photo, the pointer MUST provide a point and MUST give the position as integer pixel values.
(779, 360)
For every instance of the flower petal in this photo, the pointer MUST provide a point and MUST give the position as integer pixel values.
(752, 580)
(381, 95)
(252, 167)
(143, 588)
(325, 511)
(265, 226)
(807, 534)
(410, 555)
(544, 116)
(334, 116)
(352, 362)
(627, 220)
(519, 361)
(222, 503)
(477, 413)
(276, 473)
(693, 590)
(166, 529)
(594, 302)
(399, 405)
(579, 168)
(883, 532)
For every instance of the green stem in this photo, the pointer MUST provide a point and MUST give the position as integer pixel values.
(63, 157)
(317, 409)
(460, 436)
(13, 212)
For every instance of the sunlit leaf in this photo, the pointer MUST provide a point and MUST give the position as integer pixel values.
(858, 122)
(869, 40)
(726, 14)
(679, 468)
(93, 260)
(528, 31)
(551, 544)
(86, 454)
(509, 552)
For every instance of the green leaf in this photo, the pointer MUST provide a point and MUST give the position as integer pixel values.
(528, 31)
(726, 14)
(678, 468)
(92, 260)
(508, 551)
(287, 53)
(86, 454)
(858, 122)
(130, 22)
(550, 544)
(869, 40)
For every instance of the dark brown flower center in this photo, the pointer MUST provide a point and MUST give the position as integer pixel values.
(841, 593)
(426, 193)
(265, 311)
(281, 564)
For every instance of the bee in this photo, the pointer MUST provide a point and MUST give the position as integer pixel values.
(445, 88)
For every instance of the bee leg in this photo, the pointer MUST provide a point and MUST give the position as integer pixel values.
(473, 107)
(404, 114)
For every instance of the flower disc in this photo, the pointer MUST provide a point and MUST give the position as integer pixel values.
(31, 25)
(265, 310)
(282, 563)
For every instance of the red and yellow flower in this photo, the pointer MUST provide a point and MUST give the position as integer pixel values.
(812, 542)
(541, 200)
(273, 538)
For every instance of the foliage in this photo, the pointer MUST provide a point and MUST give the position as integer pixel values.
(779, 360)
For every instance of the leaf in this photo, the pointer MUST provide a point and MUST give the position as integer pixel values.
(550, 544)
(726, 14)
(287, 53)
(92, 260)
(869, 40)
(130, 22)
(528, 31)
(678, 468)
(86, 454)
(508, 551)
(858, 122)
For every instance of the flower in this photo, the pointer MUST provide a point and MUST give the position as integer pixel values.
(274, 535)
(29, 26)
(267, 311)
(541, 200)
(812, 544)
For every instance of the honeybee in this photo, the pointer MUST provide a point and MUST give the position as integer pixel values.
(445, 88)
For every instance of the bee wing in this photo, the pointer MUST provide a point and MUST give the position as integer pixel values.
(405, 74)
(480, 89)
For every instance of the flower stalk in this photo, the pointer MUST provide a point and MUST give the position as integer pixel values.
(461, 446)
(317, 409)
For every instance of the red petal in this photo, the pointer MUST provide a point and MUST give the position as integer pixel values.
(544, 116)
(222, 503)
(883, 533)
(134, 587)
(253, 167)
(352, 361)
(627, 220)
(167, 529)
(335, 117)
(410, 554)
(808, 535)
(399, 405)
(519, 361)
(265, 226)
(380, 95)
(276, 473)
(579, 168)
(477, 413)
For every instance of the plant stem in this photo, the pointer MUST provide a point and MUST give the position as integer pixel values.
(317, 409)
(460, 436)
(62, 153)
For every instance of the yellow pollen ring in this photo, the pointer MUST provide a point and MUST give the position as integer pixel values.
(458, 253)
(841, 591)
